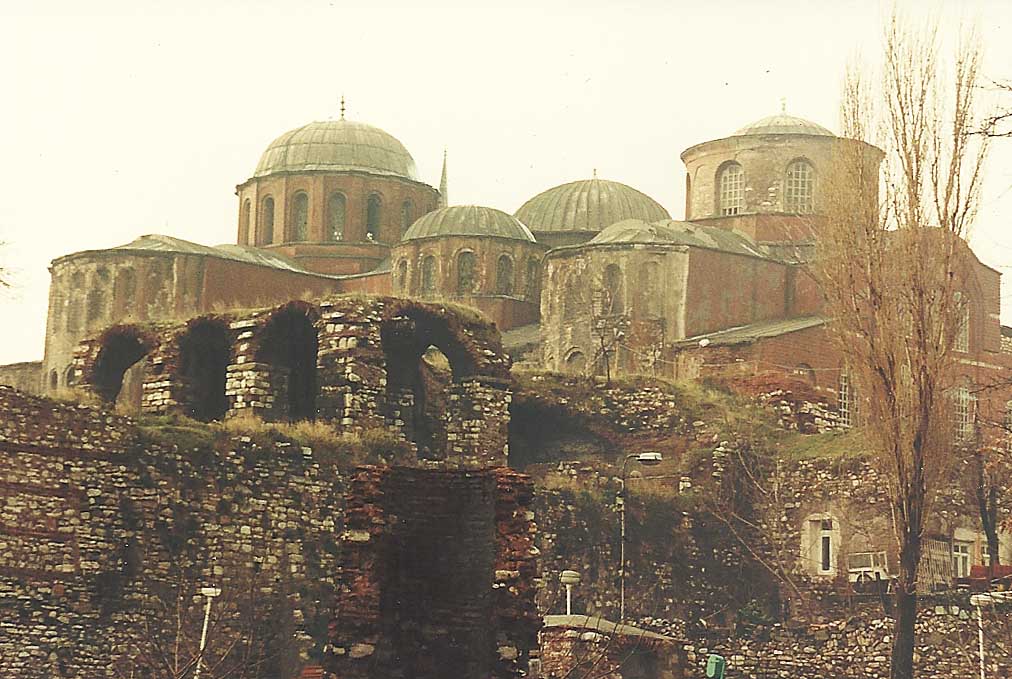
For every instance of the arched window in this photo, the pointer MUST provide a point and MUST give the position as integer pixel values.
(336, 208)
(401, 278)
(572, 298)
(300, 216)
(428, 275)
(798, 189)
(267, 221)
(74, 302)
(54, 380)
(533, 279)
(504, 276)
(467, 273)
(962, 342)
(244, 223)
(612, 302)
(97, 295)
(373, 215)
(126, 288)
(732, 189)
(576, 362)
(407, 215)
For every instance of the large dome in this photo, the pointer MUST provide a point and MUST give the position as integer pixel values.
(337, 145)
(588, 205)
(468, 220)
(783, 124)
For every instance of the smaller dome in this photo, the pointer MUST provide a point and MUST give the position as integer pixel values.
(784, 124)
(588, 205)
(468, 220)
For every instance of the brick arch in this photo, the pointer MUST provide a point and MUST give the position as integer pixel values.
(117, 349)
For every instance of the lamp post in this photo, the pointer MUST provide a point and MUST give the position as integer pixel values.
(978, 601)
(569, 578)
(209, 594)
(647, 460)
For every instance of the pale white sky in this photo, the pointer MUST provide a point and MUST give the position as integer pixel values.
(124, 118)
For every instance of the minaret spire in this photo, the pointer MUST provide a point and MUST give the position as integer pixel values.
(444, 200)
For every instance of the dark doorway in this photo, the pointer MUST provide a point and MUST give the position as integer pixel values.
(290, 343)
(204, 355)
(119, 351)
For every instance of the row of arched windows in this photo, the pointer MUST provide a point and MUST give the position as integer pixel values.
(334, 220)
(468, 278)
(799, 188)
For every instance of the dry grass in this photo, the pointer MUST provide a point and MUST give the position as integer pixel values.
(77, 396)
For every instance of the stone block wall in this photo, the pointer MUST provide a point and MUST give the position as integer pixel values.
(108, 530)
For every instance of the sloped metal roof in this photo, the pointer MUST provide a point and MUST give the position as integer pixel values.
(588, 205)
(747, 334)
(598, 624)
(337, 145)
(468, 220)
(160, 243)
(672, 232)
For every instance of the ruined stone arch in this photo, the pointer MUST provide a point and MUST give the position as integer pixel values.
(119, 348)
(287, 341)
(205, 351)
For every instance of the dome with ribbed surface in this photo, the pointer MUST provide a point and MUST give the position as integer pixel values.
(784, 124)
(336, 146)
(468, 220)
(588, 205)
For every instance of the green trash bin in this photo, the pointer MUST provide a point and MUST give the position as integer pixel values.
(715, 666)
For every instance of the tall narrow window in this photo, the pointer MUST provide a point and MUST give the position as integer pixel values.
(244, 235)
(963, 416)
(335, 217)
(612, 302)
(826, 545)
(799, 187)
(649, 290)
(533, 279)
(572, 299)
(300, 216)
(504, 276)
(961, 559)
(407, 215)
(267, 221)
(844, 400)
(732, 189)
(401, 282)
(467, 273)
(962, 342)
(428, 275)
(373, 210)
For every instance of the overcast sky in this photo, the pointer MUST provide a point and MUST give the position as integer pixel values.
(122, 119)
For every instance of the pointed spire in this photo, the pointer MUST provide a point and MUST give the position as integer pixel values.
(444, 200)
(342, 107)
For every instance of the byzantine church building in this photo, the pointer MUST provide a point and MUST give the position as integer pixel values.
(589, 277)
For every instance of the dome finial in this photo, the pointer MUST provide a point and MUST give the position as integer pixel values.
(783, 105)
(595, 173)
(342, 107)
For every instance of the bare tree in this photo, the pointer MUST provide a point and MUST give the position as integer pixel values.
(893, 270)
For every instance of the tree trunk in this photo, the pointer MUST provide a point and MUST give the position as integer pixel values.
(902, 661)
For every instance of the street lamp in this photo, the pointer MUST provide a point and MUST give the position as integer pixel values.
(569, 578)
(649, 459)
(209, 593)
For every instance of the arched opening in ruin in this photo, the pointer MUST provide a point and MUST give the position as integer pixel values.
(423, 357)
(204, 355)
(120, 349)
(289, 343)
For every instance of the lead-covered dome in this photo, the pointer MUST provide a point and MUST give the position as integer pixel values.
(468, 220)
(337, 145)
(783, 124)
(588, 205)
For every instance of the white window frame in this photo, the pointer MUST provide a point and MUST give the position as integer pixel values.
(732, 189)
(965, 403)
(961, 552)
(799, 187)
(962, 342)
(844, 396)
